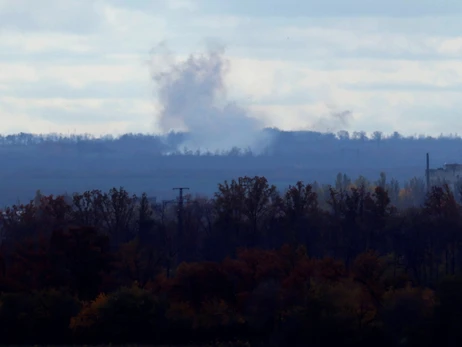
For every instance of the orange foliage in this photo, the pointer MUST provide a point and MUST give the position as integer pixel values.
(30, 265)
(88, 315)
(330, 269)
(295, 285)
(368, 270)
(197, 282)
(263, 264)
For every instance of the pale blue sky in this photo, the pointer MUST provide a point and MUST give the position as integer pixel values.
(84, 65)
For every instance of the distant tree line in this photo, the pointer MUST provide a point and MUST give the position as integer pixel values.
(341, 265)
(56, 163)
(171, 143)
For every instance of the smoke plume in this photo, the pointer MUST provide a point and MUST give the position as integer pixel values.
(333, 121)
(193, 98)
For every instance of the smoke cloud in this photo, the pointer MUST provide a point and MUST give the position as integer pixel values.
(342, 117)
(193, 98)
(333, 121)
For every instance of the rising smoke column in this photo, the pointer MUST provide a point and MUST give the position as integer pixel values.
(192, 95)
(332, 121)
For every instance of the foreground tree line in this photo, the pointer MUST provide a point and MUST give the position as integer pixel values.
(251, 266)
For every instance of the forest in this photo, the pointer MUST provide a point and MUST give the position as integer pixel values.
(67, 163)
(351, 264)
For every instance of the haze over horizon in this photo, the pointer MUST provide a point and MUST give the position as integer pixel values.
(96, 66)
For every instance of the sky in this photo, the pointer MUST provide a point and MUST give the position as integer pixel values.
(90, 66)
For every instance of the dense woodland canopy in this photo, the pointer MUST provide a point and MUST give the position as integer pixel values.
(251, 265)
(153, 164)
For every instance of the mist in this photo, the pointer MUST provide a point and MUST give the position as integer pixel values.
(193, 98)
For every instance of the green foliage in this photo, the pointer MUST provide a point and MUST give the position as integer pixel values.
(127, 315)
(287, 269)
(406, 313)
(38, 317)
(448, 311)
(80, 256)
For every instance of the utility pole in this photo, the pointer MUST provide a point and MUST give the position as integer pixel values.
(180, 222)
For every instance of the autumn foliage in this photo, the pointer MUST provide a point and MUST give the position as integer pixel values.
(340, 267)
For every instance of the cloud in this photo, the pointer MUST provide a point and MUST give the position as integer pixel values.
(69, 16)
(96, 90)
(96, 116)
(288, 64)
(181, 5)
(416, 87)
(50, 42)
(74, 75)
(330, 8)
